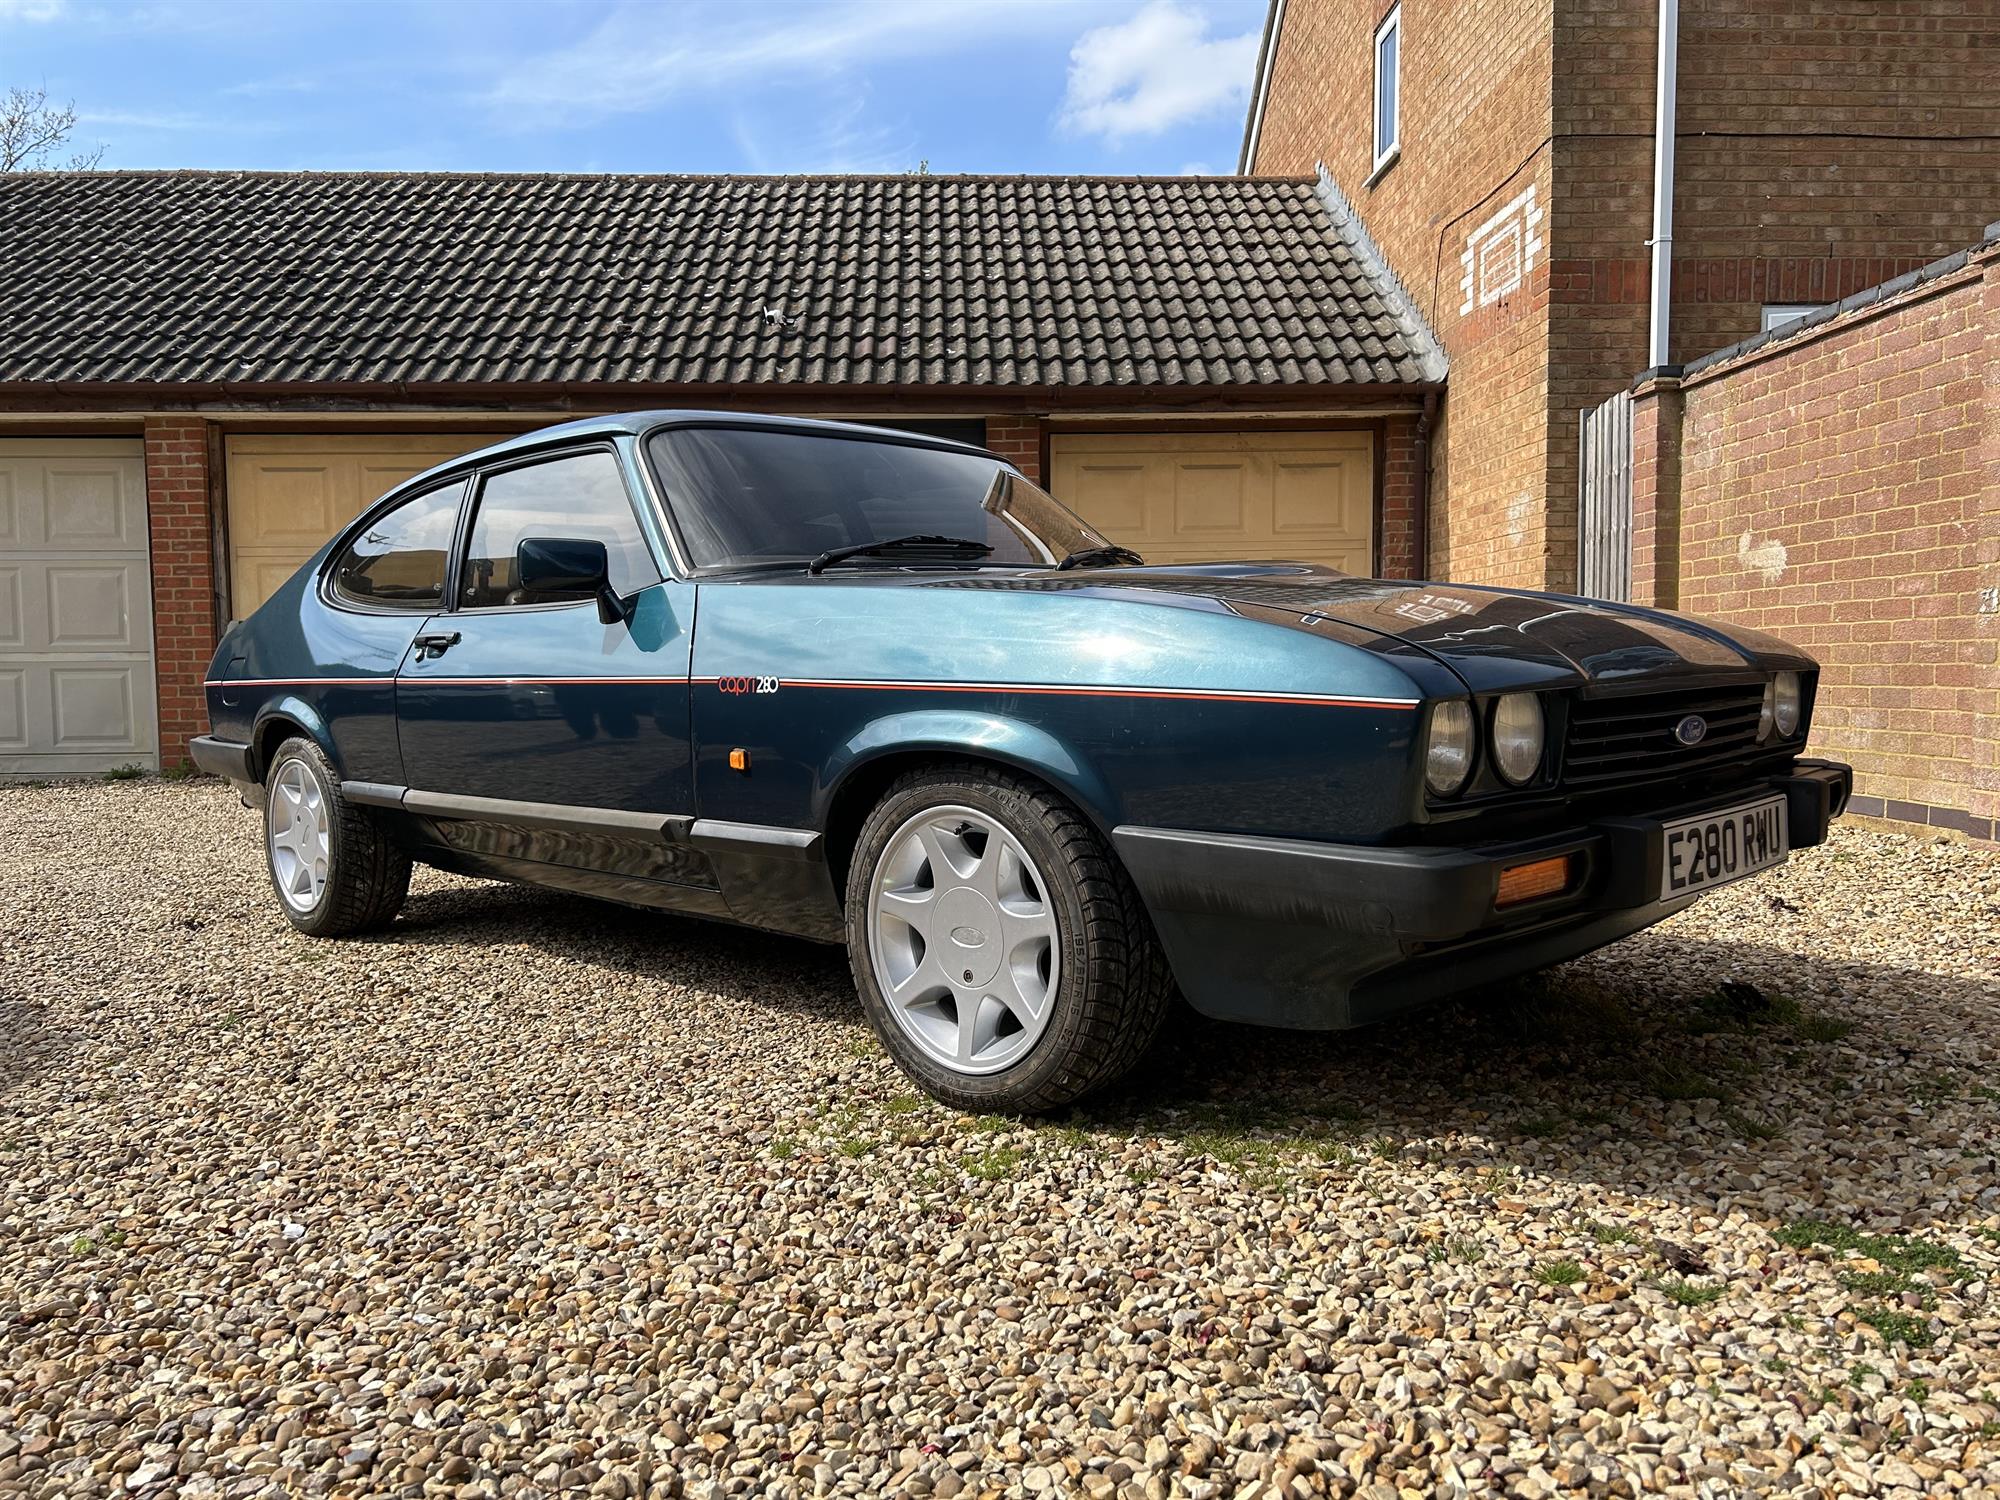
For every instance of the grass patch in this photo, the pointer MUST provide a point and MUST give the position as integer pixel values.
(992, 1166)
(1541, 1127)
(1684, 1293)
(854, 1147)
(1559, 1273)
(1674, 1083)
(125, 773)
(1894, 1251)
(784, 1148)
(1611, 1234)
(1819, 1028)
(1896, 1326)
(1878, 1284)
(903, 1104)
(1749, 1126)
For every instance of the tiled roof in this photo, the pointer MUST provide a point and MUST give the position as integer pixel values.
(251, 278)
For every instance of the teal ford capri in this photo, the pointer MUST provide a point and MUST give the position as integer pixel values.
(878, 689)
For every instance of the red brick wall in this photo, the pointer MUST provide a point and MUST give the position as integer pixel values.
(1839, 489)
(1396, 542)
(1019, 441)
(1822, 149)
(177, 516)
(1475, 114)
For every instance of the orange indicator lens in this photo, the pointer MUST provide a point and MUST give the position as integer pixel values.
(1542, 877)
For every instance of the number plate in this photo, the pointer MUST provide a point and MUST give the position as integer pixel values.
(1698, 854)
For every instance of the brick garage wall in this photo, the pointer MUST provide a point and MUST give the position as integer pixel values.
(1475, 123)
(1840, 488)
(1396, 540)
(184, 636)
(1019, 441)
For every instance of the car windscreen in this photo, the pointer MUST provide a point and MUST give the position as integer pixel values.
(744, 496)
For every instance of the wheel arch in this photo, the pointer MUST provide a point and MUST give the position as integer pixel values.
(871, 762)
(287, 718)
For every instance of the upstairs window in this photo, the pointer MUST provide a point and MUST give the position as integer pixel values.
(1388, 87)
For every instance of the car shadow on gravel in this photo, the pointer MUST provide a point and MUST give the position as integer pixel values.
(29, 1045)
(766, 969)
(1664, 1065)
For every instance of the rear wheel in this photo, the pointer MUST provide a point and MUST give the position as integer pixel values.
(335, 870)
(1002, 956)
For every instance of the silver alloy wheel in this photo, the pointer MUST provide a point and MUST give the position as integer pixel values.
(299, 835)
(963, 941)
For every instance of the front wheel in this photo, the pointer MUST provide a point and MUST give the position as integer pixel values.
(335, 871)
(1002, 956)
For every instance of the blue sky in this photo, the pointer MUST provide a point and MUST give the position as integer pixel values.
(609, 85)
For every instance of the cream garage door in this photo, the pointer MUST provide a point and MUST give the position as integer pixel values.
(288, 494)
(76, 607)
(1225, 496)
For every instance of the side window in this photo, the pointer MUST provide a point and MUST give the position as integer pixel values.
(1388, 86)
(580, 495)
(397, 560)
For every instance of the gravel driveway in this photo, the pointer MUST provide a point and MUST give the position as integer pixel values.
(541, 1196)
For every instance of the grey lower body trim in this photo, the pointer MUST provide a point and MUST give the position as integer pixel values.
(754, 838)
(669, 827)
(372, 794)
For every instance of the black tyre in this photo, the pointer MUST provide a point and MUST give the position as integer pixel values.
(1002, 955)
(334, 869)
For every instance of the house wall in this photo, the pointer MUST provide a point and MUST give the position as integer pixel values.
(1475, 124)
(1821, 149)
(1840, 488)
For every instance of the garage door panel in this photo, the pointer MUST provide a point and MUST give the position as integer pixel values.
(1118, 494)
(93, 708)
(13, 709)
(76, 608)
(88, 505)
(1212, 498)
(89, 606)
(13, 617)
(288, 494)
(295, 504)
(1208, 497)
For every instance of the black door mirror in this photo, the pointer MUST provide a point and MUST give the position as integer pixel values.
(573, 566)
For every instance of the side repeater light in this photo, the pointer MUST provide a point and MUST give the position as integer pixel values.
(1539, 877)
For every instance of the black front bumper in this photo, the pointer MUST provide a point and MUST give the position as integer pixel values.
(1282, 932)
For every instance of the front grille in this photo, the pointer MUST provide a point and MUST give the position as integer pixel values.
(1632, 739)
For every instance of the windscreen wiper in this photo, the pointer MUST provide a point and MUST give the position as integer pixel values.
(1111, 555)
(946, 547)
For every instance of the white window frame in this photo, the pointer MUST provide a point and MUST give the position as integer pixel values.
(1776, 315)
(1387, 152)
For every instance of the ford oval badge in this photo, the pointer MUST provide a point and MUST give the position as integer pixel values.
(1692, 730)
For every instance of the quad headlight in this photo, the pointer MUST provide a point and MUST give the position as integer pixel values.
(1517, 737)
(1448, 748)
(1787, 703)
(1784, 703)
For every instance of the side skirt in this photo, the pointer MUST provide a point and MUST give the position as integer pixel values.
(750, 873)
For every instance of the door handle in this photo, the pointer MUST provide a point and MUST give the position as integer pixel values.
(430, 647)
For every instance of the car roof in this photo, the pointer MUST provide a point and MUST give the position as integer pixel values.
(639, 423)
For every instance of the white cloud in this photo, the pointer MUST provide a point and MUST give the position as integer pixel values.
(640, 58)
(30, 10)
(1157, 70)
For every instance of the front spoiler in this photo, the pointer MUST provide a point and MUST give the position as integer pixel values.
(1285, 932)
